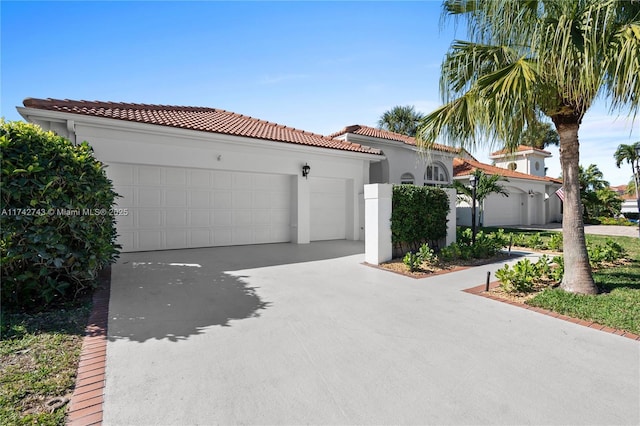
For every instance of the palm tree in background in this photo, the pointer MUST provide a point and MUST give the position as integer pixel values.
(401, 119)
(628, 154)
(540, 134)
(486, 185)
(529, 59)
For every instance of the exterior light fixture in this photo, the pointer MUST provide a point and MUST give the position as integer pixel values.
(531, 193)
(305, 170)
(474, 186)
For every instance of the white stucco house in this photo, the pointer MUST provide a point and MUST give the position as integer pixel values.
(403, 161)
(532, 199)
(201, 177)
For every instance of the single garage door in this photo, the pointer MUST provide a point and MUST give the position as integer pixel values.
(328, 209)
(172, 207)
(502, 211)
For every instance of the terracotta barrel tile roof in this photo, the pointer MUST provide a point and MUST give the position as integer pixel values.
(358, 129)
(466, 167)
(521, 148)
(197, 118)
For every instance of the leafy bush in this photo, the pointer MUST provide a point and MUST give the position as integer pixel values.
(535, 241)
(555, 241)
(419, 216)
(621, 221)
(558, 272)
(415, 260)
(57, 230)
(610, 252)
(486, 245)
(518, 279)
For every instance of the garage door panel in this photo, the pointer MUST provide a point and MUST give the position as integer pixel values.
(200, 178)
(176, 218)
(149, 197)
(148, 240)
(149, 218)
(222, 218)
(175, 177)
(148, 175)
(180, 207)
(199, 199)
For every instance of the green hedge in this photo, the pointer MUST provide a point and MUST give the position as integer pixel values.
(57, 226)
(419, 216)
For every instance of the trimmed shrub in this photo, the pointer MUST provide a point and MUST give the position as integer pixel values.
(57, 227)
(419, 216)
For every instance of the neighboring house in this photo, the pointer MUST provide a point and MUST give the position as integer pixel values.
(404, 162)
(629, 201)
(200, 177)
(532, 196)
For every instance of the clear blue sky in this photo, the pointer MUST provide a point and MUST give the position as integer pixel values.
(317, 66)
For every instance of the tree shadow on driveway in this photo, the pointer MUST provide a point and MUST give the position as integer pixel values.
(174, 294)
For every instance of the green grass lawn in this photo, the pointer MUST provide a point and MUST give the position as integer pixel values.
(617, 305)
(39, 357)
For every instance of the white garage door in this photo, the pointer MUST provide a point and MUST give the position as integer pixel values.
(503, 211)
(172, 207)
(328, 209)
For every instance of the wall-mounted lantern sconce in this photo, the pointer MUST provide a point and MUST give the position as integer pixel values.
(305, 170)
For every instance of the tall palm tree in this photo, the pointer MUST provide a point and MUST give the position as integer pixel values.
(535, 58)
(401, 119)
(540, 134)
(486, 185)
(628, 153)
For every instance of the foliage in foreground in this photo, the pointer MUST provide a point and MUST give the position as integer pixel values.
(39, 357)
(419, 216)
(56, 226)
(617, 305)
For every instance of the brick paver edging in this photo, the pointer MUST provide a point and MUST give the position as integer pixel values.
(85, 407)
(479, 291)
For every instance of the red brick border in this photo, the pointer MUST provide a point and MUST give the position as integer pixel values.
(85, 407)
(479, 291)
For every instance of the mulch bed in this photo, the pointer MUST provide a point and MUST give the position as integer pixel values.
(428, 270)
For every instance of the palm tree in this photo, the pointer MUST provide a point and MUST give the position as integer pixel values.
(628, 153)
(540, 134)
(529, 59)
(487, 185)
(401, 119)
(593, 192)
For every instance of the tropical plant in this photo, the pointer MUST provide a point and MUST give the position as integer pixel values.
(627, 153)
(597, 197)
(528, 59)
(539, 135)
(486, 185)
(401, 119)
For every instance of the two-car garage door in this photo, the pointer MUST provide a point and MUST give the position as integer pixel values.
(172, 207)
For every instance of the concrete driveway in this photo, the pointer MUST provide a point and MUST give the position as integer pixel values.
(288, 334)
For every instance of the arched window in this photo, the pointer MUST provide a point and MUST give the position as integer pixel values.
(436, 173)
(407, 179)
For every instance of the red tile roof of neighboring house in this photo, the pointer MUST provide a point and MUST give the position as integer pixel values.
(466, 167)
(521, 148)
(197, 118)
(621, 190)
(384, 134)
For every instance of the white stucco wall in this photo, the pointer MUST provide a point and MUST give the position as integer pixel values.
(116, 141)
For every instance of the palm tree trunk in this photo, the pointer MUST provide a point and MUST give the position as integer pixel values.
(577, 270)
